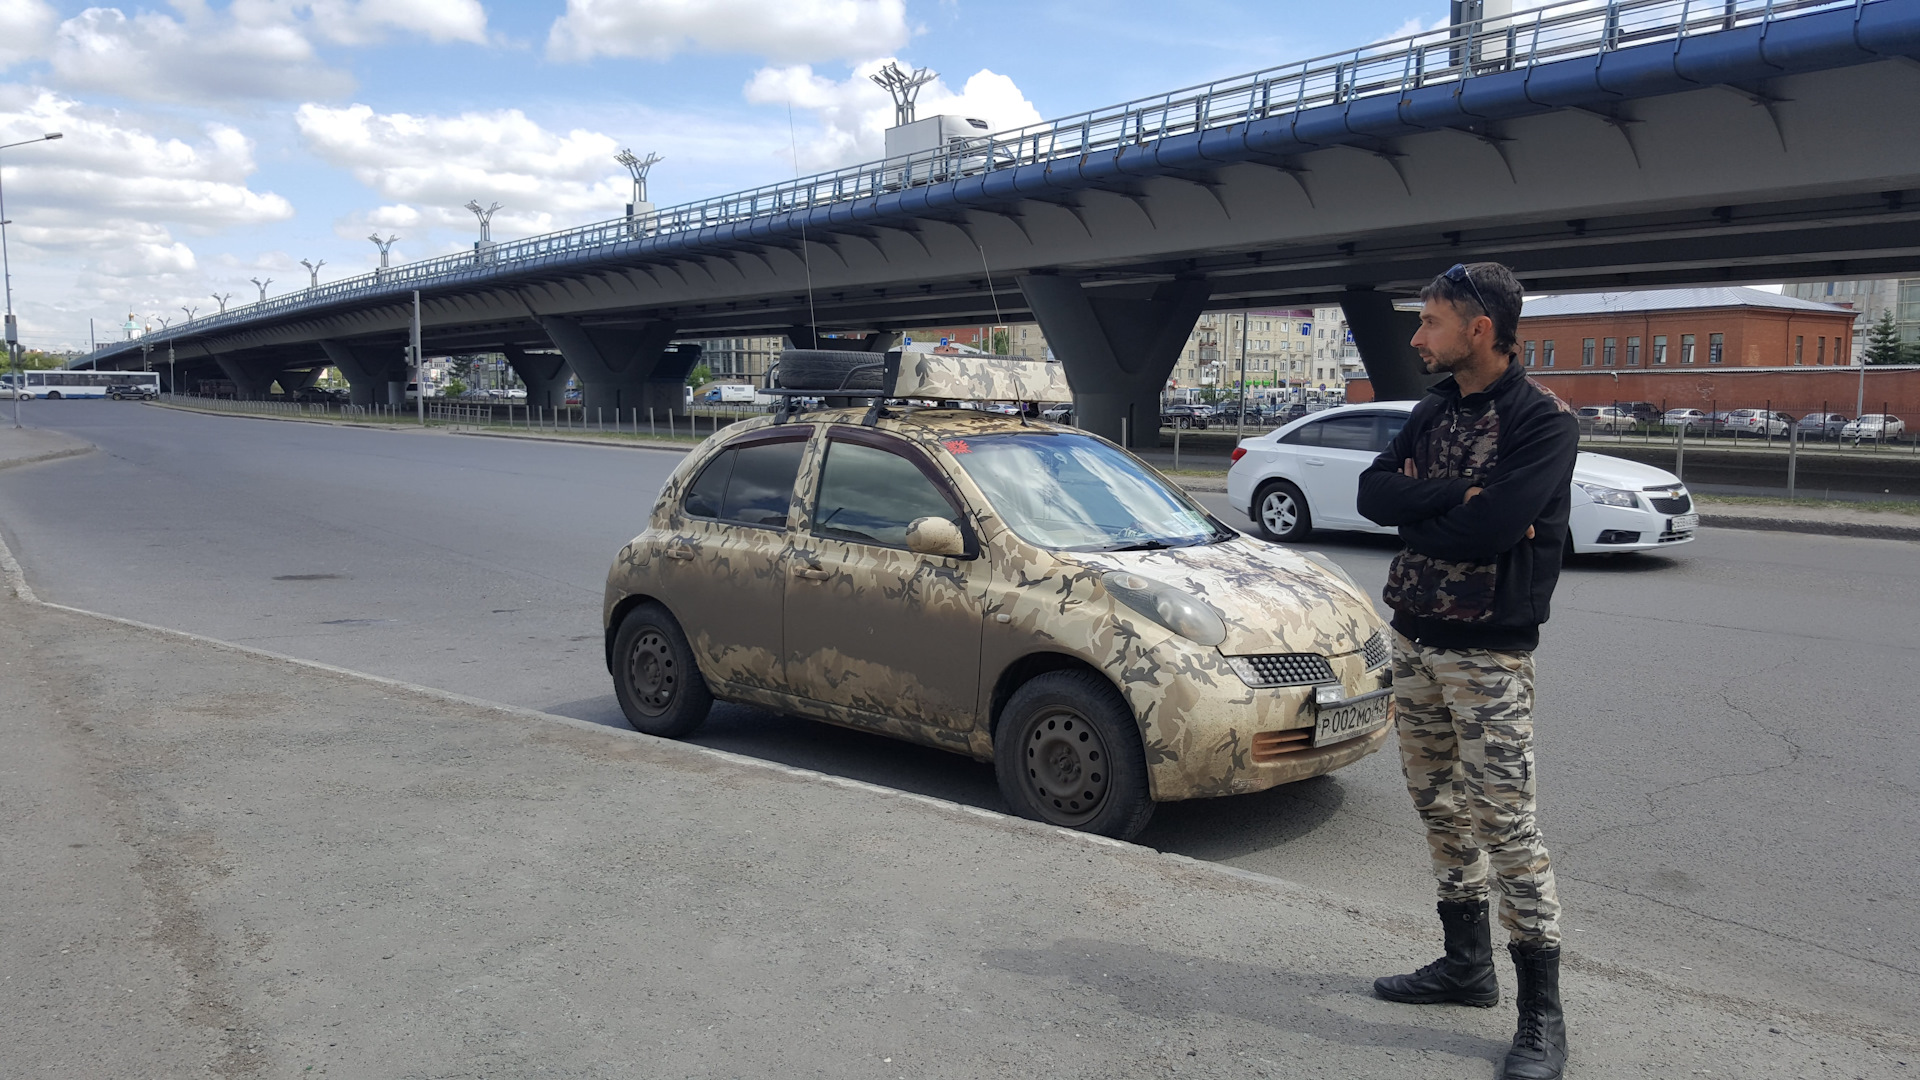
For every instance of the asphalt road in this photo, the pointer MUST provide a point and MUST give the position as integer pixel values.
(1727, 746)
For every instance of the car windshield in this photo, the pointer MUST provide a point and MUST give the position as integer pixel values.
(1072, 492)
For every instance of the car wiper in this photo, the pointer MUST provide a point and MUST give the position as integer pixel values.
(1145, 545)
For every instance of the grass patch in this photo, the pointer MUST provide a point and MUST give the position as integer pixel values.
(1879, 506)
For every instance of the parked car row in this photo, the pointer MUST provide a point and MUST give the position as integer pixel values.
(1775, 425)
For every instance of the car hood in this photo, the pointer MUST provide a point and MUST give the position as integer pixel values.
(1272, 598)
(1619, 473)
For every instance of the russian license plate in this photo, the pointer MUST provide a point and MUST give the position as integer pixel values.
(1684, 523)
(1350, 718)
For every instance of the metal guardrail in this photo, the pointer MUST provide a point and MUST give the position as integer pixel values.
(1560, 31)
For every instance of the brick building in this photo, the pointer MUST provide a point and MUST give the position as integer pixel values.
(1793, 390)
(1680, 328)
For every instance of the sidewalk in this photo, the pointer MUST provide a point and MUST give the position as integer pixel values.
(25, 445)
(219, 861)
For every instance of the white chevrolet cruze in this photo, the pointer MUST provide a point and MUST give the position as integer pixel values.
(1306, 476)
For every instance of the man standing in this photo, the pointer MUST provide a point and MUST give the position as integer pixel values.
(1478, 483)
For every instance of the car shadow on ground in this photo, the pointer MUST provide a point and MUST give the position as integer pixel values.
(1173, 987)
(1237, 825)
(810, 744)
(1627, 562)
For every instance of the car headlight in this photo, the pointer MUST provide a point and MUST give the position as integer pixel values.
(1607, 496)
(1334, 568)
(1190, 618)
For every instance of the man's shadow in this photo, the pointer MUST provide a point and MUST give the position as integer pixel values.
(1170, 986)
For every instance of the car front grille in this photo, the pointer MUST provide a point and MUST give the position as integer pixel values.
(1282, 669)
(1377, 651)
(1670, 500)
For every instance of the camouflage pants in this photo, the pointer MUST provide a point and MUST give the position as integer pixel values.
(1465, 720)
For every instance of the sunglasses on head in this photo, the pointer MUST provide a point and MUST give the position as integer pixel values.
(1459, 273)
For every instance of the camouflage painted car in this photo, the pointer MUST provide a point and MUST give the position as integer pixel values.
(1022, 593)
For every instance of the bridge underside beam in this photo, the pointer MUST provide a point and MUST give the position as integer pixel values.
(372, 377)
(1117, 347)
(545, 374)
(622, 369)
(1384, 337)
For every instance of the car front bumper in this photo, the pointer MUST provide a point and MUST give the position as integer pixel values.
(1600, 529)
(1207, 733)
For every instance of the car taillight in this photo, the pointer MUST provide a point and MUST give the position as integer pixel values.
(1238, 453)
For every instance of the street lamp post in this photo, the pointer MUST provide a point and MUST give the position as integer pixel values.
(222, 298)
(6, 272)
(262, 286)
(313, 273)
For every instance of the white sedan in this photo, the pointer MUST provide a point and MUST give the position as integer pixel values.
(1306, 476)
(1874, 426)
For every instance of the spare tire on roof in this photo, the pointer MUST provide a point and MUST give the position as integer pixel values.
(828, 371)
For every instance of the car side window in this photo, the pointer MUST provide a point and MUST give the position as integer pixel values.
(1386, 429)
(752, 484)
(1304, 435)
(1348, 432)
(871, 495)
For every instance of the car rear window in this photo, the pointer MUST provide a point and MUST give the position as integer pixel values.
(750, 484)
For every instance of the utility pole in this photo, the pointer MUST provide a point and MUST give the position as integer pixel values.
(12, 334)
(419, 365)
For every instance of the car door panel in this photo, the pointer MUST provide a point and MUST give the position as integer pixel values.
(722, 570)
(879, 636)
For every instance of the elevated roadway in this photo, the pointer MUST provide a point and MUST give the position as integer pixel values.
(1588, 146)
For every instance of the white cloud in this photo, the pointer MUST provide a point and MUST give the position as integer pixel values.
(25, 26)
(200, 58)
(358, 22)
(95, 215)
(851, 117)
(786, 30)
(432, 165)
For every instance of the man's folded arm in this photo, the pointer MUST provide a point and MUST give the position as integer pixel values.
(1532, 467)
(1390, 497)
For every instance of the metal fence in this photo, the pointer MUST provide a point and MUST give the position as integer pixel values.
(1555, 32)
(460, 415)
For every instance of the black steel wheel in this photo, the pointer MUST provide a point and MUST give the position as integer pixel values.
(1280, 512)
(1067, 752)
(659, 686)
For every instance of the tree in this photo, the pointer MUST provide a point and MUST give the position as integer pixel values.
(40, 360)
(1883, 341)
(1002, 343)
(700, 376)
(453, 389)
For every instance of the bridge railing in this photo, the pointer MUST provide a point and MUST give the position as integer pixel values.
(1556, 32)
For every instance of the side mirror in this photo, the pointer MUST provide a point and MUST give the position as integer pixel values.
(936, 536)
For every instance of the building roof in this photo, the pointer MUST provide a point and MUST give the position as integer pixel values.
(1635, 300)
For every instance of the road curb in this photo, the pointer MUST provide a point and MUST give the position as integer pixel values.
(1861, 529)
(51, 455)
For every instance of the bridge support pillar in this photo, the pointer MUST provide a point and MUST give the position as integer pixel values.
(624, 368)
(372, 378)
(249, 383)
(298, 379)
(544, 373)
(1117, 347)
(1384, 337)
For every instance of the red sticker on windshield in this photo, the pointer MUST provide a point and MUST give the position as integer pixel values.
(958, 446)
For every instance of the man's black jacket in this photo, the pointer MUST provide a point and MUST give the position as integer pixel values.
(1468, 577)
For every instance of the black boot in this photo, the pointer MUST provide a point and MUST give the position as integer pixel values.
(1540, 1045)
(1464, 976)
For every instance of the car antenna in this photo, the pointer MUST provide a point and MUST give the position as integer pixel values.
(806, 256)
(998, 319)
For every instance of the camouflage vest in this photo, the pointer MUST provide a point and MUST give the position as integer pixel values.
(1457, 444)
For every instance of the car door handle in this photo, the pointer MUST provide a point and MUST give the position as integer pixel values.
(812, 573)
(679, 551)
(1315, 461)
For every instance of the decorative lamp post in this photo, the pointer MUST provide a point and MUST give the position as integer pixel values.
(313, 273)
(262, 285)
(385, 247)
(222, 298)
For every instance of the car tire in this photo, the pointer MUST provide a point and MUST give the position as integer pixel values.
(1280, 512)
(659, 686)
(826, 370)
(1067, 752)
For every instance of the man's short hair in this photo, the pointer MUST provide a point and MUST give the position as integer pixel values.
(1493, 292)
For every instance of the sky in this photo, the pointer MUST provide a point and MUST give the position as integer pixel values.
(209, 144)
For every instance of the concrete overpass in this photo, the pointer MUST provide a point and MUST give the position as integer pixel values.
(1587, 145)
